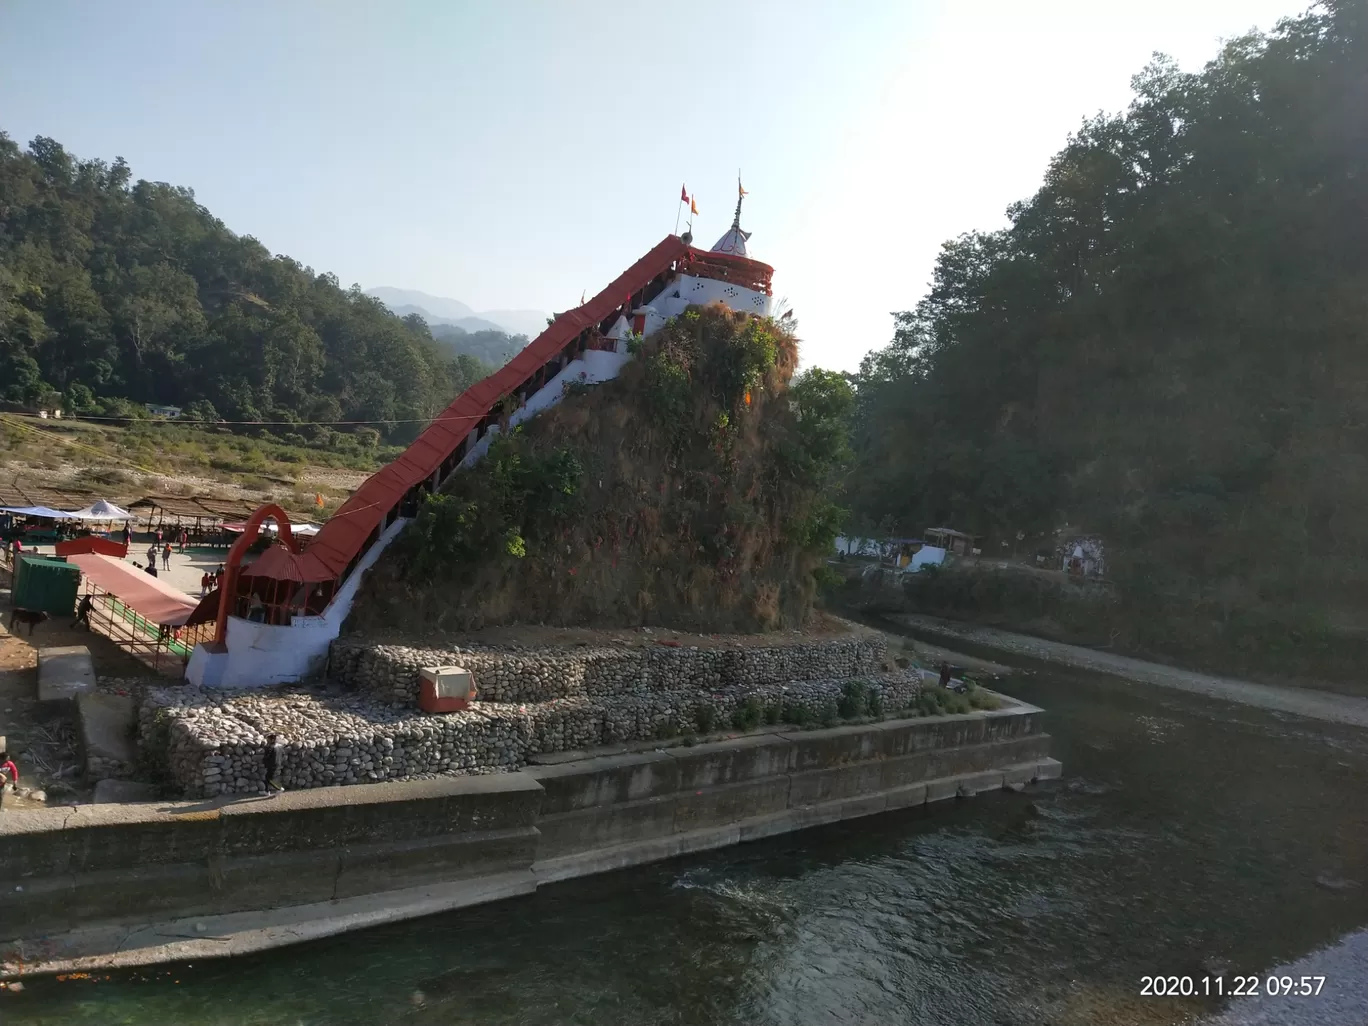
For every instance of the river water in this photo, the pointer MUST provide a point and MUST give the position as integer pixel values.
(1187, 836)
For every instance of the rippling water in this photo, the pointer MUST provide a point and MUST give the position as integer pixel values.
(1187, 836)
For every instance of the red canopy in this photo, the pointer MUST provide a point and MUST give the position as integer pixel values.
(280, 564)
(140, 591)
(89, 543)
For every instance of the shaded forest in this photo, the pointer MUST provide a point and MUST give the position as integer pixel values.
(1167, 345)
(115, 293)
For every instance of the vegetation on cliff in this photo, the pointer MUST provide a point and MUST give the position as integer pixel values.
(697, 490)
(1166, 346)
(113, 290)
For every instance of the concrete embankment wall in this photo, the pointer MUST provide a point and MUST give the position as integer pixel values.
(110, 885)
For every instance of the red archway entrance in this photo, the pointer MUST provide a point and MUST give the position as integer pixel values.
(231, 568)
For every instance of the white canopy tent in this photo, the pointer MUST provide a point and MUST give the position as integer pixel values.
(45, 512)
(102, 511)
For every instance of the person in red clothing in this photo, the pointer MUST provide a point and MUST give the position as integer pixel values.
(9, 772)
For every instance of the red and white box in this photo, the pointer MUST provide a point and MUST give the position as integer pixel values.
(444, 689)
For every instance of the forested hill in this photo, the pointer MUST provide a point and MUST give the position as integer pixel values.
(1168, 345)
(113, 290)
(494, 348)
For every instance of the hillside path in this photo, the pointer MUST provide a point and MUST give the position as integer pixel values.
(1319, 705)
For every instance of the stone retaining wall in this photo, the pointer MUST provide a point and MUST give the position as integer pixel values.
(390, 672)
(215, 746)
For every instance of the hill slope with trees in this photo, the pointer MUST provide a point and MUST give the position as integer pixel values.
(114, 291)
(697, 491)
(1169, 346)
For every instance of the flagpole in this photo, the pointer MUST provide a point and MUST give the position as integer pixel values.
(678, 211)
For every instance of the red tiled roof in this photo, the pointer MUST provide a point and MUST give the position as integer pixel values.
(344, 535)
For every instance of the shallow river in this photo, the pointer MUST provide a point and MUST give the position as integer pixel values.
(1187, 836)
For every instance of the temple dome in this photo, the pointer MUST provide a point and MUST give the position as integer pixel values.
(734, 242)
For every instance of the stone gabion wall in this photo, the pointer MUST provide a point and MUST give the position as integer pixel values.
(217, 746)
(390, 672)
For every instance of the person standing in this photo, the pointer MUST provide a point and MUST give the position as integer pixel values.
(945, 675)
(184, 540)
(127, 535)
(152, 556)
(166, 556)
(272, 765)
(218, 576)
(159, 535)
(83, 612)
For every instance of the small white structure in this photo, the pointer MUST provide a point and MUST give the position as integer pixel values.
(927, 555)
(1082, 555)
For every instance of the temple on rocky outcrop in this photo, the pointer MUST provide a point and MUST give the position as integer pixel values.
(308, 594)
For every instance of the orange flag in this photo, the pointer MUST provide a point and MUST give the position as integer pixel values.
(693, 206)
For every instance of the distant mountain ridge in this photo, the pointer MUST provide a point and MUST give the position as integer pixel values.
(469, 324)
(444, 310)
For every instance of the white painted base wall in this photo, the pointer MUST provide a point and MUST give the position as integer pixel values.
(258, 655)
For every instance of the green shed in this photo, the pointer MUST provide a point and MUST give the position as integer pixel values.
(47, 583)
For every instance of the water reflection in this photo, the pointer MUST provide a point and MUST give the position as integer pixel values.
(1186, 835)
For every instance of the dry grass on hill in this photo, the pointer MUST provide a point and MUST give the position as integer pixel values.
(691, 492)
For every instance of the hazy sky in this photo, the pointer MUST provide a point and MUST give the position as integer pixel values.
(515, 154)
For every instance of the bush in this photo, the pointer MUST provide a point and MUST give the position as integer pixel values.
(774, 713)
(854, 701)
(980, 699)
(831, 714)
(705, 717)
(747, 715)
(935, 700)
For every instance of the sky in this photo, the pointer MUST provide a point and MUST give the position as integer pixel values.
(516, 154)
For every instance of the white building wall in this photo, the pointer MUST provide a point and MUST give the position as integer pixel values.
(257, 655)
(689, 290)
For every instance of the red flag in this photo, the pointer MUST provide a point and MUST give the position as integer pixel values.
(683, 194)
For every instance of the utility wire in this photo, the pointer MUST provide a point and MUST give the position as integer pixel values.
(247, 423)
(78, 445)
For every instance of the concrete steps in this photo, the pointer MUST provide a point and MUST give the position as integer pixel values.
(64, 674)
(107, 724)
